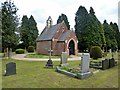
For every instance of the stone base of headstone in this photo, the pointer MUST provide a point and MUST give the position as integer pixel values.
(84, 75)
(64, 65)
(49, 64)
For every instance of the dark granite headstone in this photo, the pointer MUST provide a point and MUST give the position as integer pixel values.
(111, 62)
(10, 69)
(105, 64)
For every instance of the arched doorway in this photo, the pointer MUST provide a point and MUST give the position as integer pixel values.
(71, 48)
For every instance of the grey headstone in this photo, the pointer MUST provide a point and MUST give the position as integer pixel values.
(10, 69)
(64, 59)
(85, 63)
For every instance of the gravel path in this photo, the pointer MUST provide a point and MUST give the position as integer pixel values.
(22, 57)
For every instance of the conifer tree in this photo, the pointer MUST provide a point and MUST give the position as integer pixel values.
(9, 25)
(63, 17)
(111, 42)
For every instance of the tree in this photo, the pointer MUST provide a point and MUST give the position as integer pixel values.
(24, 31)
(63, 17)
(82, 28)
(97, 33)
(88, 29)
(117, 33)
(33, 30)
(9, 25)
(0, 30)
(111, 42)
(28, 31)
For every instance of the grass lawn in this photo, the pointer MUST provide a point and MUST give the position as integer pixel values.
(39, 56)
(32, 74)
(42, 56)
(1, 54)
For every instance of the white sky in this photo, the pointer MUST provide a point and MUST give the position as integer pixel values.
(42, 9)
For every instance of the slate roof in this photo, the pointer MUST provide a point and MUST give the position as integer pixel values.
(64, 36)
(48, 33)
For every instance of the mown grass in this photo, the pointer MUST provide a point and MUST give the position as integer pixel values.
(32, 74)
(1, 54)
(40, 56)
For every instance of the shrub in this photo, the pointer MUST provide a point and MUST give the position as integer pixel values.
(95, 52)
(30, 49)
(19, 51)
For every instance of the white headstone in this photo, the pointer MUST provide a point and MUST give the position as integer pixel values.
(110, 50)
(85, 63)
(64, 58)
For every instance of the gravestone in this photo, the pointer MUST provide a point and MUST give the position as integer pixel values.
(111, 62)
(84, 73)
(85, 63)
(10, 69)
(64, 60)
(49, 62)
(105, 64)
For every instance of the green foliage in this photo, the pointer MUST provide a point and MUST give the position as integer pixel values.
(63, 17)
(24, 31)
(82, 27)
(28, 31)
(9, 24)
(33, 30)
(95, 52)
(117, 33)
(19, 51)
(31, 49)
(96, 36)
(111, 42)
(88, 29)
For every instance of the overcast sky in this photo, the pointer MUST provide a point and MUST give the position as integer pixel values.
(42, 9)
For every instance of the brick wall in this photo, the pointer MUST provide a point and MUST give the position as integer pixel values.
(43, 47)
(73, 37)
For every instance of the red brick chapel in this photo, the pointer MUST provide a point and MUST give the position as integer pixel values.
(57, 38)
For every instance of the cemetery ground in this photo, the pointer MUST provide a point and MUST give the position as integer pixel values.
(32, 74)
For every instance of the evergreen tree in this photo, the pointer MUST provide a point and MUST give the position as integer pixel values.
(82, 28)
(88, 29)
(111, 42)
(28, 31)
(9, 25)
(0, 30)
(96, 30)
(33, 30)
(63, 17)
(24, 31)
(117, 33)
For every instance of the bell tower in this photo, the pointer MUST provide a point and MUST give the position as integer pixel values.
(49, 22)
